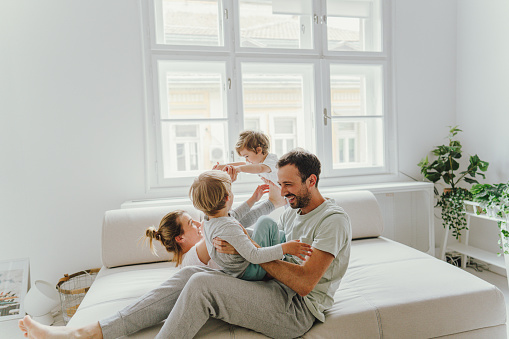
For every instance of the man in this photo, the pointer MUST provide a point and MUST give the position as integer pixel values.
(285, 307)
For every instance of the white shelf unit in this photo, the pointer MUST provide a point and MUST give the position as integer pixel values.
(468, 250)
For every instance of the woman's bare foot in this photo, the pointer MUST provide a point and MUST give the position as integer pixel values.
(34, 330)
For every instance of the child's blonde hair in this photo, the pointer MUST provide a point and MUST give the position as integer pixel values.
(209, 191)
(251, 140)
(169, 229)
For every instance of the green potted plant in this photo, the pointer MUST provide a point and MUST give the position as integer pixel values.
(491, 198)
(446, 167)
(494, 201)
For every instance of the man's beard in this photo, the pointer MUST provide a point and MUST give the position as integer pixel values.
(301, 200)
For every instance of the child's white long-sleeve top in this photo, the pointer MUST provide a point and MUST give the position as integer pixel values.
(230, 230)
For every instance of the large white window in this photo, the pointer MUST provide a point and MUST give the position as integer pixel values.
(309, 73)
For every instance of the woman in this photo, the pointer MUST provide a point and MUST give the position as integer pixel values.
(181, 235)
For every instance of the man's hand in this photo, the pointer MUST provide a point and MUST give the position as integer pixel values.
(297, 248)
(275, 194)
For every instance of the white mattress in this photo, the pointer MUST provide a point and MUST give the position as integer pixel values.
(389, 291)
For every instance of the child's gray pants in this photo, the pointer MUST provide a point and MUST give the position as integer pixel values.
(195, 293)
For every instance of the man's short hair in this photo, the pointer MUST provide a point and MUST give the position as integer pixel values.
(209, 191)
(307, 163)
(251, 140)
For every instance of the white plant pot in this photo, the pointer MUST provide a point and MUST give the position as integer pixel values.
(505, 241)
(493, 211)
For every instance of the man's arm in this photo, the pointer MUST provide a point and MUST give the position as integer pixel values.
(300, 278)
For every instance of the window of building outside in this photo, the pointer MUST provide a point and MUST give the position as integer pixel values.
(310, 74)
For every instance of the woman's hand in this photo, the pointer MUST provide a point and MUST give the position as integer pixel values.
(297, 248)
(257, 195)
(260, 191)
(223, 246)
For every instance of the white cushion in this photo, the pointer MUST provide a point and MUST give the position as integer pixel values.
(123, 228)
(364, 212)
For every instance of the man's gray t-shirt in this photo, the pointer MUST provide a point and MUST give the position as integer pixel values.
(326, 228)
(230, 230)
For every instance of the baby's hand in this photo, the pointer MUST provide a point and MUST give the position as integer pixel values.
(218, 167)
(233, 171)
(259, 192)
(298, 249)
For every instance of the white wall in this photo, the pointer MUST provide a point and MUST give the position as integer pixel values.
(72, 120)
(72, 140)
(482, 92)
(425, 66)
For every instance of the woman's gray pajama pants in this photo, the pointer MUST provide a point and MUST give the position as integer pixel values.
(192, 295)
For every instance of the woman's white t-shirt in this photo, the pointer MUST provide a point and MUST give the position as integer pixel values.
(191, 259)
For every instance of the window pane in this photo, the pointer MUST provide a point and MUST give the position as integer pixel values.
(354, 25)
(189, 22)
(191, 90)
(356, 90)
(357, 143)
(284, 126)
(191, 148)
(282, 97)
(284, 134)
(276, 24)
(252, 124)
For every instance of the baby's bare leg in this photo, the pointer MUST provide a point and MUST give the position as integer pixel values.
(33, 329)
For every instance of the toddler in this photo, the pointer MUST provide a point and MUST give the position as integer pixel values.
(211, 193)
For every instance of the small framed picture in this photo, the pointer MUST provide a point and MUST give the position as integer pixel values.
(13, 288)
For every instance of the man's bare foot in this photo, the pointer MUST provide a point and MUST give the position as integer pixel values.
(34, 330)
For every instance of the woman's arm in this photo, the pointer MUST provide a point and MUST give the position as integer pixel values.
(201, 250)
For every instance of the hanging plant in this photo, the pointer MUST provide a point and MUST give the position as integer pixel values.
(453, 209)
(446, 167)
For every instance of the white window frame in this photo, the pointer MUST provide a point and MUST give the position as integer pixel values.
(233, 56)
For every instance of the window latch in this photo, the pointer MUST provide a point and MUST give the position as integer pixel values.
(325, 116)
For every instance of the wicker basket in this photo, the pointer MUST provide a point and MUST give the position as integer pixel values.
(72, 289)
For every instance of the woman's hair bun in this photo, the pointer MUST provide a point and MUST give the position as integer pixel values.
(151, 232)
